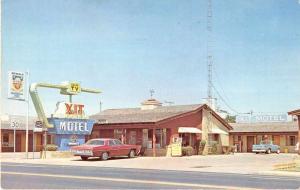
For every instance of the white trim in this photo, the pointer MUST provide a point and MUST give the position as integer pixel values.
(189, 130)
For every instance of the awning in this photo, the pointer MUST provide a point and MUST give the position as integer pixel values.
(215, 130)
(189, 130)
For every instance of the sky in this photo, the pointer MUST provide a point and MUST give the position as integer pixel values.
(127, 47)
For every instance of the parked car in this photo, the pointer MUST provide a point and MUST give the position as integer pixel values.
(105, 148)
(266, 147)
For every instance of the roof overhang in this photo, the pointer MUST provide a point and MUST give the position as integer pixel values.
(215, 130)
(225, 123)
(294, 112)
(189, 130)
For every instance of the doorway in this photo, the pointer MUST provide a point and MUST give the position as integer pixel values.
(18, 142)
(276, 139)
(250, 142)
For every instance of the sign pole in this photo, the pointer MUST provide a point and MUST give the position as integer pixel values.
(14, 138)
(27, 114)
(33, 144)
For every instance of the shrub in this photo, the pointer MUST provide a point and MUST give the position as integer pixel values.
(51, 147)
(214, 147)
(201, 147)
(187, 151)
(202, 143)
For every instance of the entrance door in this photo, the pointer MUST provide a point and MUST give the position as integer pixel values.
(30, 142)
(250, 142)
(276, 140)
(18, 142)
(132, 137)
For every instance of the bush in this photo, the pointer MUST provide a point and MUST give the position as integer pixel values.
(51, 147)
(202, 143)
(187, 151)
(201, 147)
(214, 147)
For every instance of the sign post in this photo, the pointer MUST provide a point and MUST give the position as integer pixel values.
(37, 128)
(14, 124)
(16, 91)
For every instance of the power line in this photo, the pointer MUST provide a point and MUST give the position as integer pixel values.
(221, 86)
(225, 102)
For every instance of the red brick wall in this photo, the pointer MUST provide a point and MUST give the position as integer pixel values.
(186, 120)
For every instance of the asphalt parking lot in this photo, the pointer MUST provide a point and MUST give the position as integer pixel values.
(244, 163)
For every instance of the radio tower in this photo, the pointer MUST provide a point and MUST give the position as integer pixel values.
(209, 67)
(209, 52)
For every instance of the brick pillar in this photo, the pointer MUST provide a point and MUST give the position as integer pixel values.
(153, 143)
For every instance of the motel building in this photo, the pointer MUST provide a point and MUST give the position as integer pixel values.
(154, 126)
(254, 129)
(14, 127)
(296, 114)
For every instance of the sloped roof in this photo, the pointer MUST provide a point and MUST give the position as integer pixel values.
(264, 127)
(294, 112)
(137, 115)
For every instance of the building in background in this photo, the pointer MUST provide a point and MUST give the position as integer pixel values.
(7, 134)
(296, 113)
(284, 134)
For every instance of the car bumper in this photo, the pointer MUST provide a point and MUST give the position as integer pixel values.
(82, 153)
(258, 150)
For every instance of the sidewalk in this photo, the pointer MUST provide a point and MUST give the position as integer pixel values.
(243, 163)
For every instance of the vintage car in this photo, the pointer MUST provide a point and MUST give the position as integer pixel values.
(266, 147)
(105, 148)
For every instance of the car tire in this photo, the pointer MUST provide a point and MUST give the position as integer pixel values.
(104, 156)
(256, 152)
(131, 154)
(278, 151)
(84, 158)
(269, 151)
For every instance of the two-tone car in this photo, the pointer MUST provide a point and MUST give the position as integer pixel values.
(266, 147)
(105, 148)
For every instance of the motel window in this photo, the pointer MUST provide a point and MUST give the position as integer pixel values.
(259, 139)
(291, 141)
(5, 139)
(118, 134)
(160, 135)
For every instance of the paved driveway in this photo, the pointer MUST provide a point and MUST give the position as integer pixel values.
(245, 163)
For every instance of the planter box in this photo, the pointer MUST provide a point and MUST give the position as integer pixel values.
(55, 154)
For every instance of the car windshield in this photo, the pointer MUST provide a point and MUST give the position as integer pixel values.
(95, 142)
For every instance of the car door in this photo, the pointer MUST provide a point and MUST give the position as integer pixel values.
(113, 149)
(122, 149)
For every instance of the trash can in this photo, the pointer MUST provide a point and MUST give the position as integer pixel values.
(286, 150)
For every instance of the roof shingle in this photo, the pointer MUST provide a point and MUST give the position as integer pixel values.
(264, 127)
(137, 115)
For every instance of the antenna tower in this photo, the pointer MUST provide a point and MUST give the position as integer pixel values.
(209, 51)
(209, 58)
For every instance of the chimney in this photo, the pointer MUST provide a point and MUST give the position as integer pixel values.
(150, 104)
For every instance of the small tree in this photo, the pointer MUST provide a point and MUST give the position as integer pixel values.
(230, 118)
